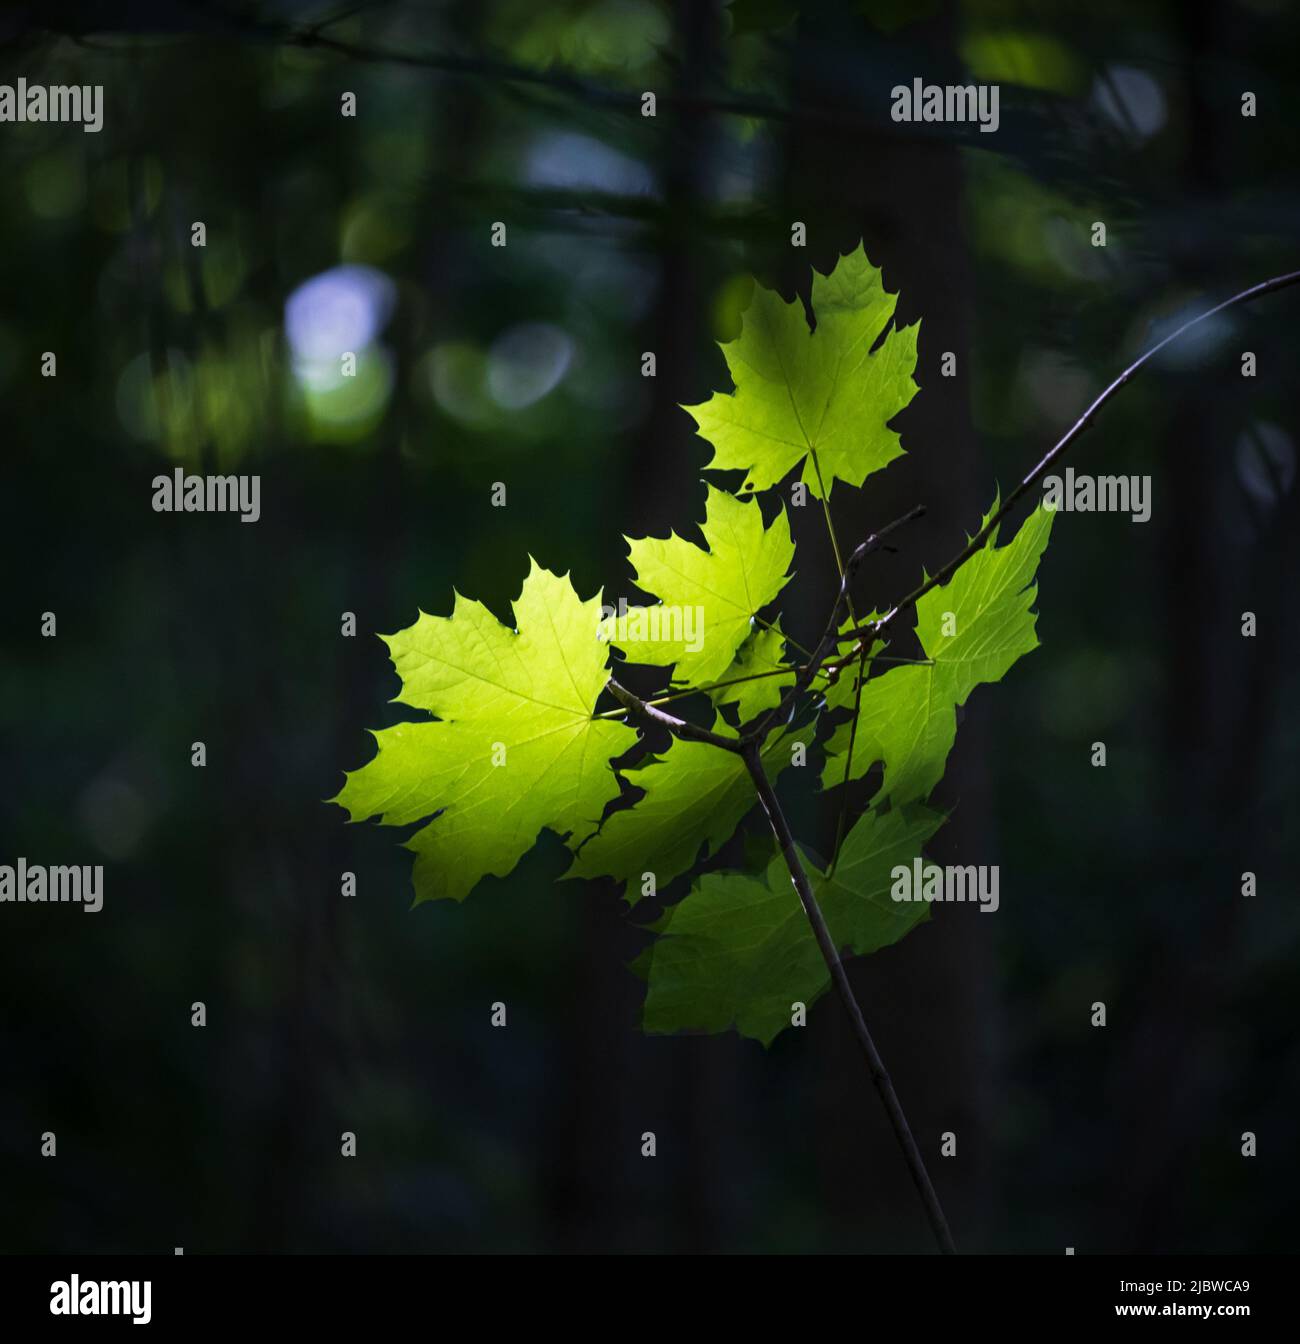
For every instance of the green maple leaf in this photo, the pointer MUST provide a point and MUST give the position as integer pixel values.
(823, 397)
(695, 797)
(515, 748)
(908, 716)
(739, 950)
(725, 586)
(759, 655)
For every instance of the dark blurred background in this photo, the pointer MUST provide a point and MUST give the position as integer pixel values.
(523, 365)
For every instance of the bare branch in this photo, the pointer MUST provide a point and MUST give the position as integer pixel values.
(750, 746)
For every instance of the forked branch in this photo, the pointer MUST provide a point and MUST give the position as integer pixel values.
(749, 746)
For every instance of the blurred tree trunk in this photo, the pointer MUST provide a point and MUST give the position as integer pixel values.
(1170, 1090)
(929, 1001)
(621, 1085)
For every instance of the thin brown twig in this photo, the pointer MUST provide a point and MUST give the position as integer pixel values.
(689, 732)
(873, 629)
(682, 692)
